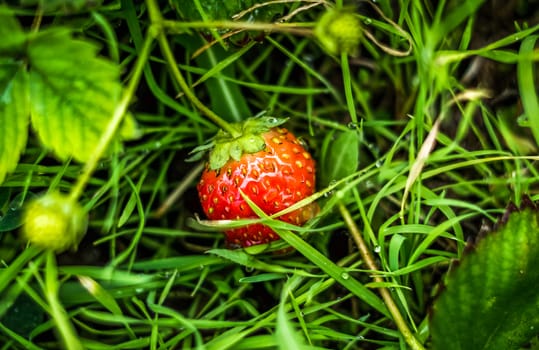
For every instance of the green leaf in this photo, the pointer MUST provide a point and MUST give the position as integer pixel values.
(23, 316)
(227, 99)
(526, 84)
(342, 157)
(446, 22)
(285, 334)
(13, 37)
(14, 113)
(13, 215)
(129, 129)
(491, 299)
(73, 93)
(101, 295)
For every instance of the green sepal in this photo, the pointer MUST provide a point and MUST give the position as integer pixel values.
(490, 299)
(198, 152)
(219, 158)
(247, 138)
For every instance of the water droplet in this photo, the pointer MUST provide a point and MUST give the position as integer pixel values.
(139, 290)
(367, 21)
(272, 120)
(345, 275)
(373, 148)
(309, 59)
(377, 249)
(360, 337)
(330, 192)
(379, 163)
(352, 125)
(157, 145)
(521, 272)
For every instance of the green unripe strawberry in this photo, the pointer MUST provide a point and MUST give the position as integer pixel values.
(339, 31)
(54, 221)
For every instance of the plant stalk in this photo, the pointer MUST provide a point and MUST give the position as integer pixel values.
(157, 20)
(58, 313)
(116, 119)
(367, 256)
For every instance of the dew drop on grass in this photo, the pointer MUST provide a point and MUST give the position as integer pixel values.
(377, 249)
(369, 184)
(367, 21)
(345, 275)
(352, 125)
(329, 193)
(273, 120)
(373, 148)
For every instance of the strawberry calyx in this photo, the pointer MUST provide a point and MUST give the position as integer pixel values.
(241, 138)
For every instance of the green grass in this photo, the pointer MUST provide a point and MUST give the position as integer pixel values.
(153, 277)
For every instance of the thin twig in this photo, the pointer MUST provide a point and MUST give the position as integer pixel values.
(158, 21)
(384, 292)
(182, 187)
(115, 121)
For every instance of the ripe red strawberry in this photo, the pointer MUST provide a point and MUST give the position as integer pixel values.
(275, 176)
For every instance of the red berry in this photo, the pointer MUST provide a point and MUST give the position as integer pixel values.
(274, 178)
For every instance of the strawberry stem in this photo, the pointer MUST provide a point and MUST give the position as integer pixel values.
(157, 21)
(114, 122)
